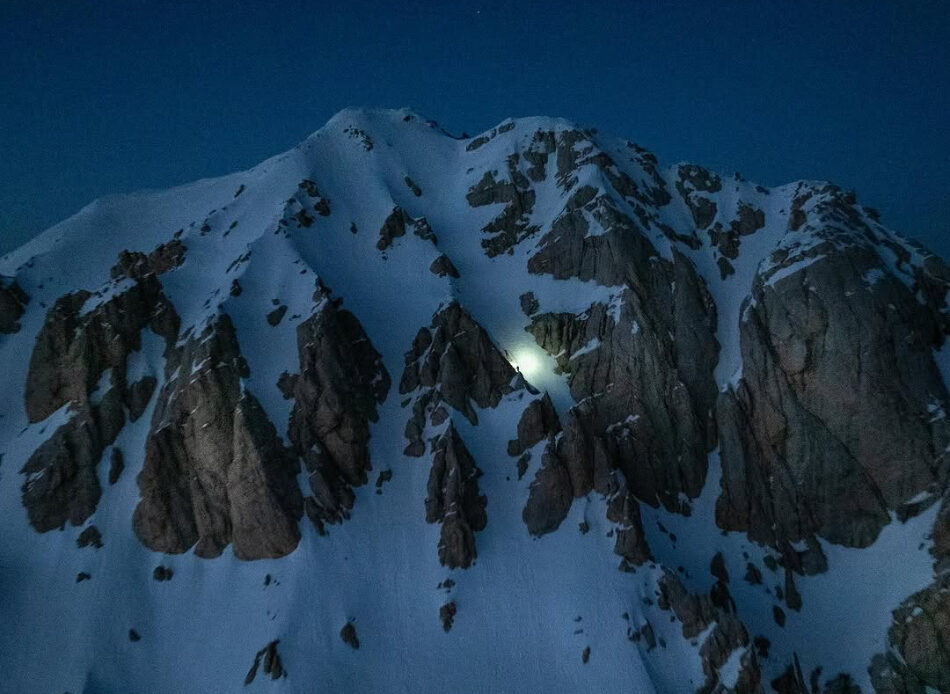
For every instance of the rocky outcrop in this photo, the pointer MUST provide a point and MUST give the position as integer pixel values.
(80, 358)
(833, 347)
(393, 227)
(396, 224)
(276, 316)
(443, 267)
(691, 182)
(641, 368)
(512, 225)
(696, 613)
(61, 481)
(303, 208)
(116, 465)
(13, 301)
(416, 190)
(570, 151)
(349, 637)
(529, 303)
(537, 420)
(81, 340)
(341, 382)
(481, 140)
(90, 537)
(162, 259)
(453, 362)
(447, 614)
(727, 240)
(919, 638)
(215, 470)
(319, 202)
(272, 663)
(163, 573)
(630, 541)
(453, 499)
(941, 536)
(642, 377)
(550, 494)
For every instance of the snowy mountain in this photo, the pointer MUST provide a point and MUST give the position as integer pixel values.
(397, 411)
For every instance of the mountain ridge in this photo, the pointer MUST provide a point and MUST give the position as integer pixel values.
(681, 364)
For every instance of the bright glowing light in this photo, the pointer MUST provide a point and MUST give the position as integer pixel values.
(527, 363)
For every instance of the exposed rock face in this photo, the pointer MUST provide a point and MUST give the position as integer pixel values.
(393, 227)
(630, 541)
(13, 301)
(693, 181)
(727, 240)
(90, 537)
(453, 499)
(941, 536)
(302, 209)
(396, 224)
(512, 225)
(442, 267)
(76, 346)
(61, 483)
(116, 465)
(454, 362)
(319, 202)
(644, 403)
(641, 371)
(834, 351)
(215, 470)
(919, 638)
(447, 614)
(696, 613)
(529, 303)
(538, 420)
(75, 349)
(341, 381)
(550, 496)
(833, 422)
(137, 265)
(272, 663)
(276, 316)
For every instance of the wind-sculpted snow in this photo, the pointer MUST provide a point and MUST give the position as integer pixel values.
(657, 429)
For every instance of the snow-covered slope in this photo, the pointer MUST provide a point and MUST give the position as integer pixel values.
(325, 379)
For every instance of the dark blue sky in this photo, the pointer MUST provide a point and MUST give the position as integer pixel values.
(104, 97)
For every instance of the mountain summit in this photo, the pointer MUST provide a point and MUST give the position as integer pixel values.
(397, 411)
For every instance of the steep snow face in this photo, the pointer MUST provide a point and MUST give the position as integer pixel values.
(384, 216)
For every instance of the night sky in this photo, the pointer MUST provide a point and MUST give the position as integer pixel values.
(107, 97)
